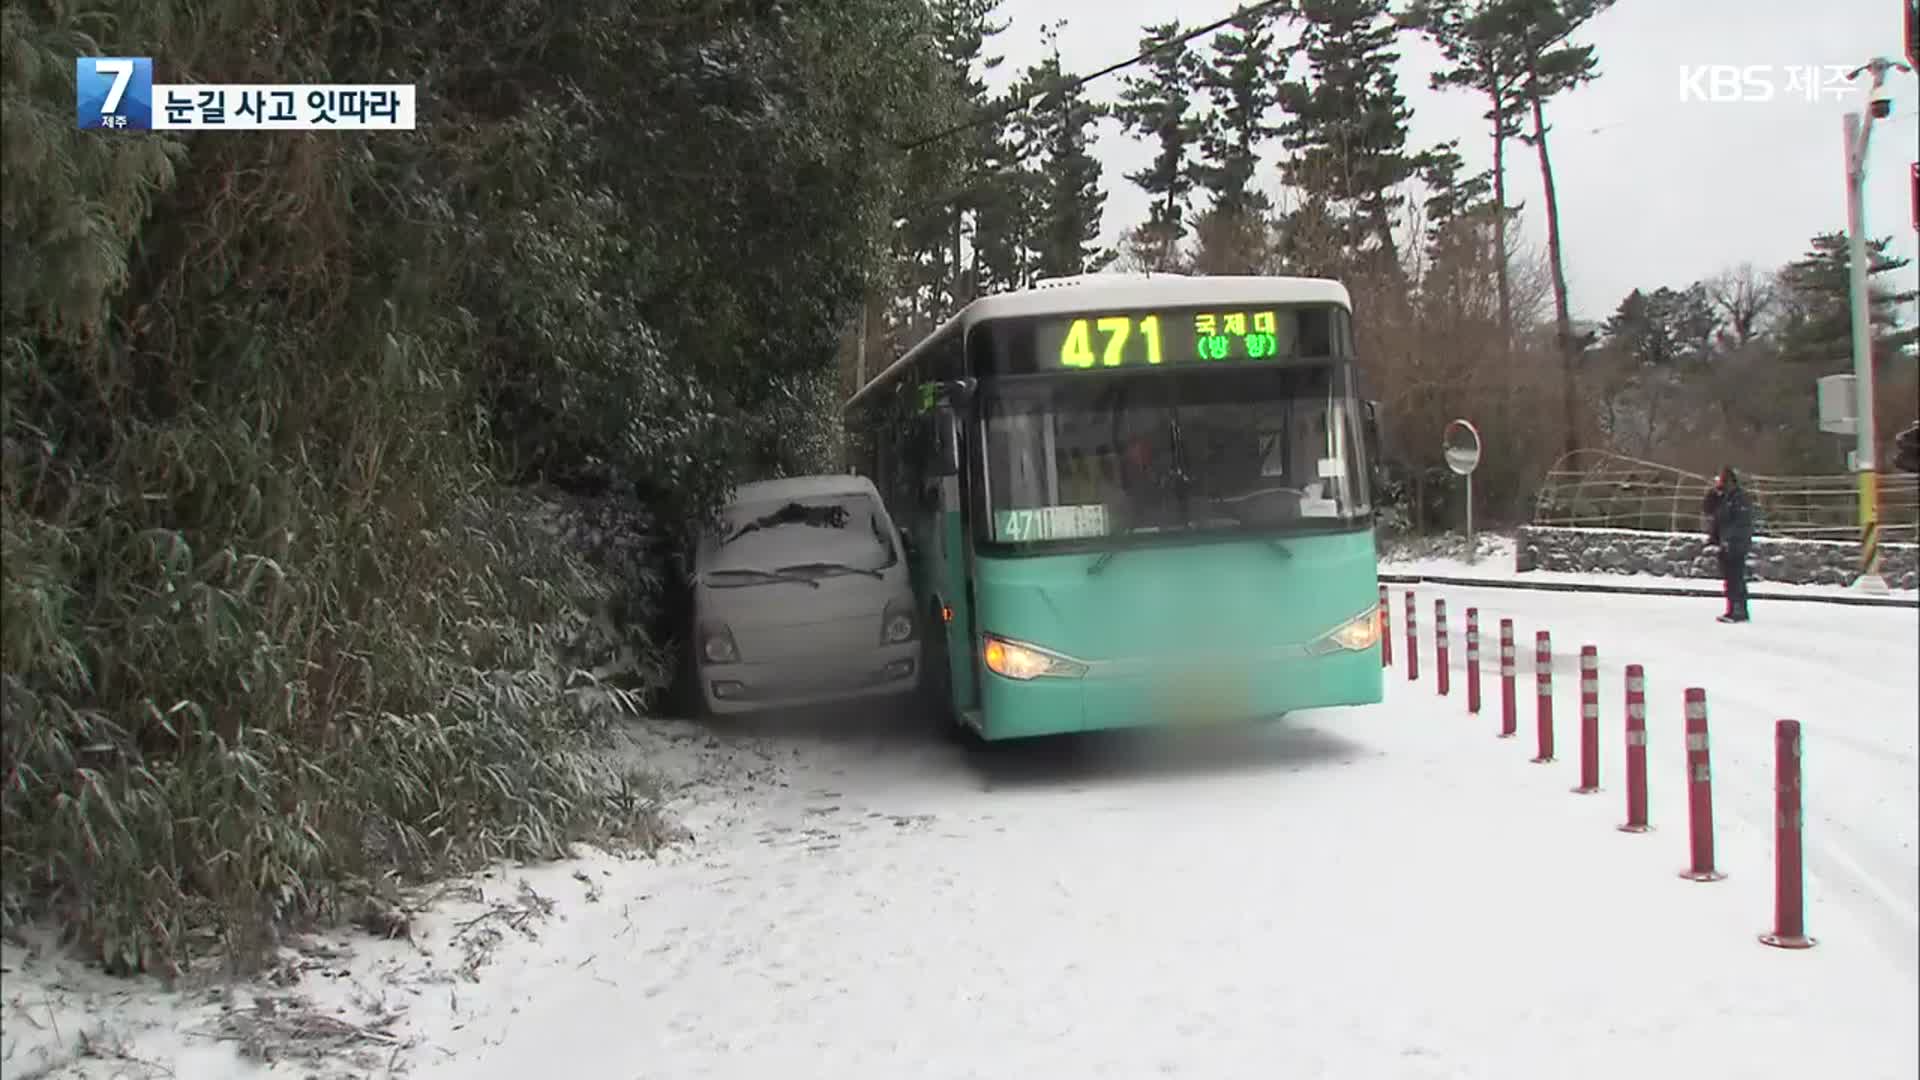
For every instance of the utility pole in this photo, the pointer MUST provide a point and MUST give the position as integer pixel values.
(1858, 130)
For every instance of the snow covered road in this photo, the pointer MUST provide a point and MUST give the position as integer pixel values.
(1389, 892)
(1848, 674)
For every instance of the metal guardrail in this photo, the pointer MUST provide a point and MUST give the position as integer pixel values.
(1595, 489)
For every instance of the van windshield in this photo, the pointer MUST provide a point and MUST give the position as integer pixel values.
(781, 539)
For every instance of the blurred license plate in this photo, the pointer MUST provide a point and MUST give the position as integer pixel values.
(1204, 695)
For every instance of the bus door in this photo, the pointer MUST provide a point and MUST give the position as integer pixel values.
(943, 502)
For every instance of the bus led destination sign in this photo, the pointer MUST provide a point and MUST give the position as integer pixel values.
(1147, 339)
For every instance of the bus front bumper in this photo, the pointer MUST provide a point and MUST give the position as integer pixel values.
(1175, 695)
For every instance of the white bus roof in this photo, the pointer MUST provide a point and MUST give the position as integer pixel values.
(1087, 292)
(1109, 292)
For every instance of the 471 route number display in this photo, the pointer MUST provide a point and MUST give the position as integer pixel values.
(1093, 341)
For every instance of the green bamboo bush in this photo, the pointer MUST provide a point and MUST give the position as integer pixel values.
(279, 626)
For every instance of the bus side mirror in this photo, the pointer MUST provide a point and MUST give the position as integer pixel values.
(946, 442)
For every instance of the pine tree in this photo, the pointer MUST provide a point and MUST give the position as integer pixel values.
(1241, 76)
(1664, 328)
(1551, 66)
(1459, 213)
(1348, 131)
(1452, 199)
(946, 182)
(1066, 175)
(962, 29)
(1242, 81)
(920, 236)
(1159, 106)
(1004, 225)
(1477, 40)
(1816, 323)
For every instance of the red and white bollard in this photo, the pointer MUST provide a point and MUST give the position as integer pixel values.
(1441, 669)
(1473, 660)
(1636, 750)
(1413, 639)
(1543, 677)
(1699, 790)
(1509, 706)
(1386, 629)
(1789, 893)
(1589, 721)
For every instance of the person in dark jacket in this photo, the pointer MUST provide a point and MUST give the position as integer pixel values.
(1729, 514)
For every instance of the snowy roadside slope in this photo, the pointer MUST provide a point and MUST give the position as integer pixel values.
(337, 1004)
(1370, 893)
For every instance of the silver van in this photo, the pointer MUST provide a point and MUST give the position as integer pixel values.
(803, 598)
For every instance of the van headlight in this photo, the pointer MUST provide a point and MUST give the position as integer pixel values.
(716, 644)
(896, 625)
(1013, 660)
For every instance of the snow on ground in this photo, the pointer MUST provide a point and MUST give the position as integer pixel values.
(1494, 560)
(1384, 892)
(1848, 674)
(331, 1007)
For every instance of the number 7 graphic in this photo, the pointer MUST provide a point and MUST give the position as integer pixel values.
(114, 92)
(122, 72)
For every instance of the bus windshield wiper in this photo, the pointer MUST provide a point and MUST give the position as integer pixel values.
(1100, 563)
(1108, 555)
(1228, 504)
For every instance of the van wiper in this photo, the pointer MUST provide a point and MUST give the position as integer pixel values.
(775, 575)
(840, 566)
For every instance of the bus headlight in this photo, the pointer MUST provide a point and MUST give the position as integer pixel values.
(1358, 634)
(1012, 660)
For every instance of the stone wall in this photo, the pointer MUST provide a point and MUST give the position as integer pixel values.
(1621, 551)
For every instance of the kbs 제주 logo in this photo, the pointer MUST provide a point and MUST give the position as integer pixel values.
(114, 92)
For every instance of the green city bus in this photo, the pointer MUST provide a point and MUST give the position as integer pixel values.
(1133, 500)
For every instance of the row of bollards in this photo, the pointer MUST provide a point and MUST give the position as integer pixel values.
(1789, 884)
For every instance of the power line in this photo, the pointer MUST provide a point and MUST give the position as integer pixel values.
(995, 115)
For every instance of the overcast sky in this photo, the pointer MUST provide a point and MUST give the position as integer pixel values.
(1653, 190)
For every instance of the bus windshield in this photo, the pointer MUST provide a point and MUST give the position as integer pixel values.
(1074, 460)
